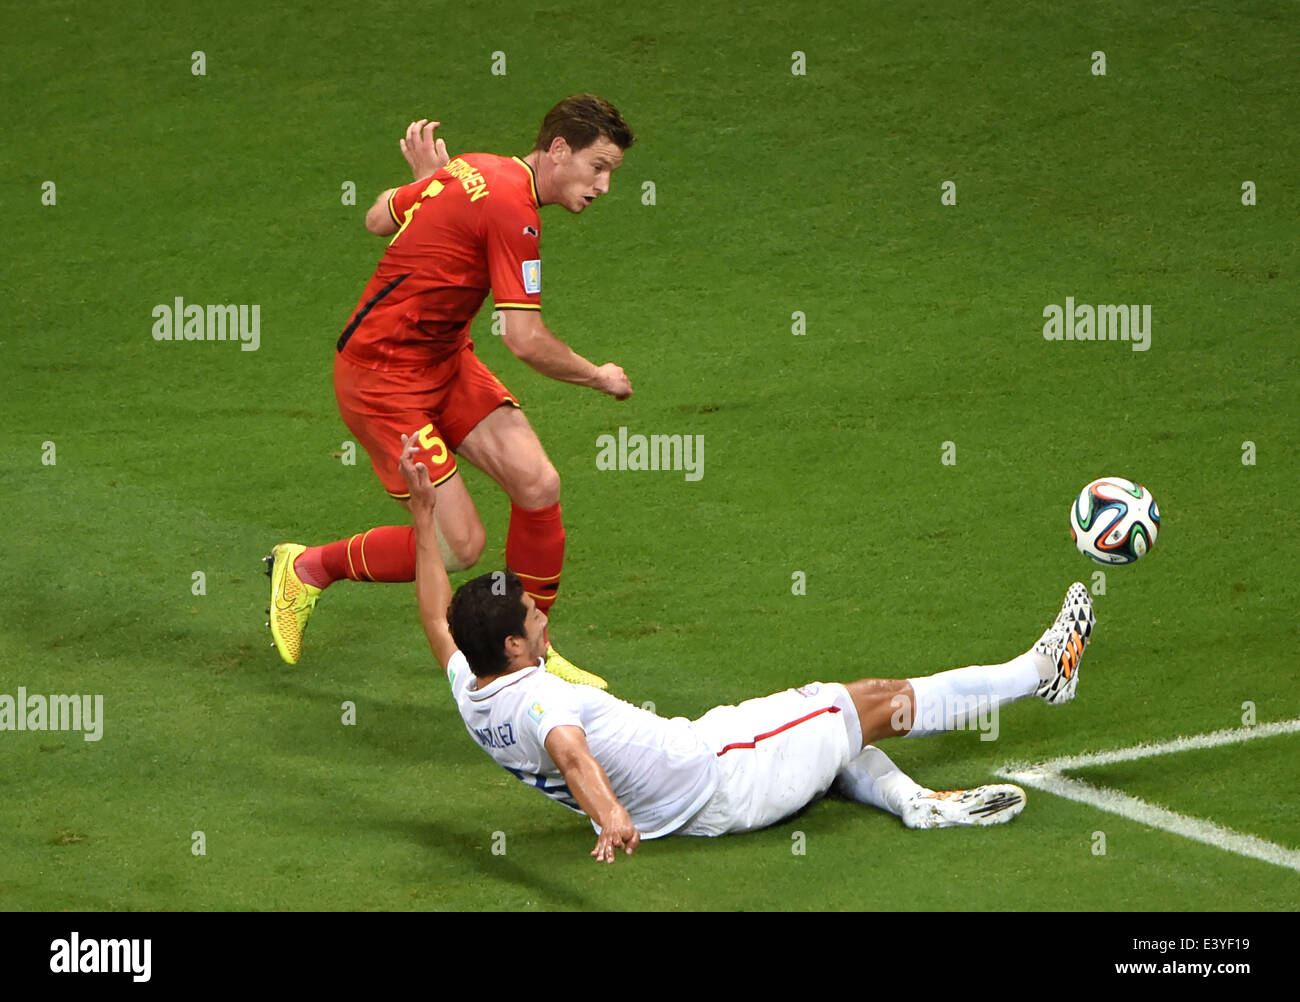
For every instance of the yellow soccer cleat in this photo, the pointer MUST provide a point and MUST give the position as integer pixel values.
(562, 667)
(292, 601)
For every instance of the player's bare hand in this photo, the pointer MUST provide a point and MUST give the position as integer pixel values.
(424, 153)
(416, 475)
(618, 833)
(611, 379)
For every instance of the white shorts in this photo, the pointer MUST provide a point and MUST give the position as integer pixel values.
(775, 754)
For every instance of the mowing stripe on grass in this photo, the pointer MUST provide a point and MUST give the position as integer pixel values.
(1047, 776)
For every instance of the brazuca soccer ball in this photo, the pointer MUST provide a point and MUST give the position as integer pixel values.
(1114, 521)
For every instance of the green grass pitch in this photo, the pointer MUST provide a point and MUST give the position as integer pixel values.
(775, 193)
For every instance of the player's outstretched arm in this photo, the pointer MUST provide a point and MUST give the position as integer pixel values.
(432, 589)
(567, 746)
(425, 155)
(532, 343)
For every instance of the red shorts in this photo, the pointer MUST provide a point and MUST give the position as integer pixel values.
(441, 404)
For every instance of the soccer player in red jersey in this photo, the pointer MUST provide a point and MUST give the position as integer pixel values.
(405, 364)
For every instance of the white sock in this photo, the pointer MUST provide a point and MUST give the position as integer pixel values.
(873, 778)
(951, 699)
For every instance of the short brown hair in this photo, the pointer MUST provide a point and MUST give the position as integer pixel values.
(581, 120)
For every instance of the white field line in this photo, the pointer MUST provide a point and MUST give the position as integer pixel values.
(1047, 776)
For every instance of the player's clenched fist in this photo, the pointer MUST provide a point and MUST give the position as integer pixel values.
(422, 151)
(611, 379)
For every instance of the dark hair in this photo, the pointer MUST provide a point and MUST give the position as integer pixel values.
(581, 120)
(483, 612)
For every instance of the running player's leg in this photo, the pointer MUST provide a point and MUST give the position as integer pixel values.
(387, 552)
(483, 423)
(504, 446)
(379, 408)
(299, 574)
(461, 537)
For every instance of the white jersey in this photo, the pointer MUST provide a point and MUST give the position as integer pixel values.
(660, 769)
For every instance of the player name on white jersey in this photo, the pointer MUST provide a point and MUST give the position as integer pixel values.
(658, 767)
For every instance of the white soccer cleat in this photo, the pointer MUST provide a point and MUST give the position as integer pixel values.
(1064, 643)
(984, 805)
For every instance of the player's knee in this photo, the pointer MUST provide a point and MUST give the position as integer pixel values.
(538, 490)
(463, 546)
(879, 688)
(884, 707)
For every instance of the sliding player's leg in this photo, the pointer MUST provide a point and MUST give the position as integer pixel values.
(873, 778)
(777, 753)
(955, 699)
(919, 707)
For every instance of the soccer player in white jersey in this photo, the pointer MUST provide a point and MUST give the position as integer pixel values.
(737, 768)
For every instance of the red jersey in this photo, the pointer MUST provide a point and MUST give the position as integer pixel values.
(469, 229)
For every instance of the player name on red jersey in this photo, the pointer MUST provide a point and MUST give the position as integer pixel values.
(453, 245)
(470, 178)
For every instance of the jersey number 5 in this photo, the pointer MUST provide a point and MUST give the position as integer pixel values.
(428, 440)
(429, 192)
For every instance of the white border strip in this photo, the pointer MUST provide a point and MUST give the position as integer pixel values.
(1047, 776)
